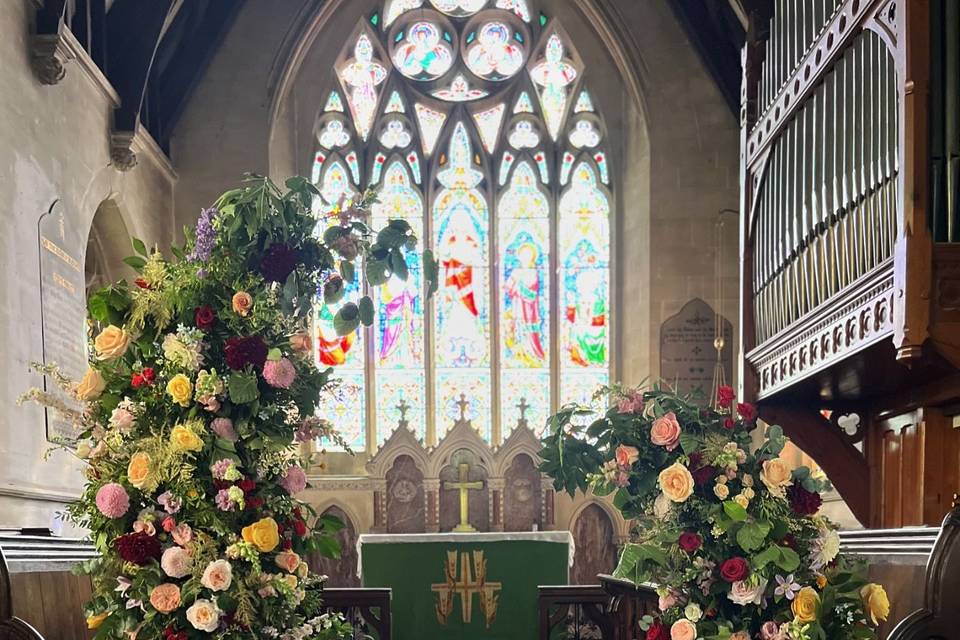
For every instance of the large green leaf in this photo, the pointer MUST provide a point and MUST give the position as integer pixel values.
(752, 534)
(366, 311)
(734, 511)
(347, 319)
(242, 387)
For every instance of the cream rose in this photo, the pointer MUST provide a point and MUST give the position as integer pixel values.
(91, 385)
(665, 431)
(776, 474)
(204, 615)
(750, 591)
(217, 576)
(683, 629)
(242, 302)
(721, 490)
(288, 561)
(140, 471)
(111, 343)
(676, 482)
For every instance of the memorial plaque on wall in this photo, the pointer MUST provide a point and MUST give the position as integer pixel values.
(687, 352)
(62, 307)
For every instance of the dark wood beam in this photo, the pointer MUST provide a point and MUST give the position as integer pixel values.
(134, 29)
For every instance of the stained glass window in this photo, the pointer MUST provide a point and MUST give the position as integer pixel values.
(498, 165)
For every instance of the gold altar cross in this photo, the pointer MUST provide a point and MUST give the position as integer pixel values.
(464, 485)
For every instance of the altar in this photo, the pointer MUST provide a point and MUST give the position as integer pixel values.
(465, 585)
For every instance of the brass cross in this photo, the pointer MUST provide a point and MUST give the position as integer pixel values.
(464, 486)
(523, 406)
(463, 404)
(403, 407)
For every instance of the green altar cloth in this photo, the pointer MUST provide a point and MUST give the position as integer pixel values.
(465, 585)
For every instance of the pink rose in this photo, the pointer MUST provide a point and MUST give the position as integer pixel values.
(683, 629)
(182, 534)
(623, 479)
(217, 576)
(169, 524)
(769, 631)
(665, 431)
(288, 561)
(626, 456)
(294, 480)
(176, 562)
(144, 526)
(667, 601)
(223, 427)
(632, 403)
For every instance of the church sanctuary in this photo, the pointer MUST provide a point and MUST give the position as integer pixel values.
(480, 319)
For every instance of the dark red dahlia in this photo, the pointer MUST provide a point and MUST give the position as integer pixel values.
(247, 485)
(690, 541)
(139, 548)
(704, 475)
(790, 541)
(803, 502)
(205, 317)
(278, 262)
(240, 352)
(725, 396)
(300, 528)
(253, 502)
(657, 631)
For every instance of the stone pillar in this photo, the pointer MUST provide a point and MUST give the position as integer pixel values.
(547, 515)
(431, 499)
(496, 503)
(379, 506)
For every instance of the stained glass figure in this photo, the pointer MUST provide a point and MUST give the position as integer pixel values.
(395, 104)
(423, 55)
(396, 8)
(519, 7)
(488, 124)
(336, 183)
(431, 123)
(584, 103)
(584, 134)
(362, 76)
(524, 104)
(395, 135)
(524, 135)
(459, 91)
(333, 135)
(494, 55)
(334, 103)
(459, 7)
(553, 76)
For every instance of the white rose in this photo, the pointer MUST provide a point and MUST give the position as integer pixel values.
(217, 576)
(744, 592)
(693, 612)
(204, 615)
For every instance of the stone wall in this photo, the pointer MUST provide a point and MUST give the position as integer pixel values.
(53, 145)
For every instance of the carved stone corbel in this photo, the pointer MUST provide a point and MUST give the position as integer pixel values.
(49, 55)
(122, 156)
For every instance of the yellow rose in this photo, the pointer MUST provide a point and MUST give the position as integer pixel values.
(91, 386)
(876, 602)
(721, 490)
(242, 303)
(94, 622)
(776, 475)
(741, 500)
(140, 472)
(111, 343)
(180, 389)
(263, 534)
(676, 482)
(805, 605)
(183, 439)
(291, 581)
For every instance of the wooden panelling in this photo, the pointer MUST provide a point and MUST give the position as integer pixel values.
(52, 601)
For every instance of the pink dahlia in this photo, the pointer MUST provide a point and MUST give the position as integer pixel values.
(279, 373)
(112, 500)
(294, 480)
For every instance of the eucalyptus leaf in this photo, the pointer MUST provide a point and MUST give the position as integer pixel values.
(140, 247)
(366, 311)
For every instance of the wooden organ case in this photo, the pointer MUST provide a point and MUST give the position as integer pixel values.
(850, 244)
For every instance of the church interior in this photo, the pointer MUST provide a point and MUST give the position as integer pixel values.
(679, 197)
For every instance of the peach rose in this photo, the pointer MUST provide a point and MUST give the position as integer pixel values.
(182, 534)
(140, 471)
(676, 482)
(91, 385)
(665, 431)
(165, 597)
(626, 456)
(111, 343)
(683, 629)
(242, 302)
(204, 615)
(217, 576)
(776, 474)
(263, 534)
(288, 561)
(301, 343)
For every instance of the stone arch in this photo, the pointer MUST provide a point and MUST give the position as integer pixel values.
(522, 495)
(108, 242)
(405, 496)
(342, 571)
(595, 537)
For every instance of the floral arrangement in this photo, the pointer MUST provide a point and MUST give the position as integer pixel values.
(200, 387)
(730, 535)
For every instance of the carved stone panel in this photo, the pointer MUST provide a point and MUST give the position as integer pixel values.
(405, 497)
(478, 499)
(521, 495)
(596, 550)
(340, 572)
(688, 354)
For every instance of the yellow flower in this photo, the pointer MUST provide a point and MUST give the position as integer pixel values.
(94, 622)
(741, 500)
(111, 343)
(676, 482)
(805, 605)
(91, 386)
(776, 475)
(821, 581)
(721, 490)
(875, 601)
(183, 439)
(140, 472)
(242, 302)
(180, 389)
(263, 534)
(291, 581)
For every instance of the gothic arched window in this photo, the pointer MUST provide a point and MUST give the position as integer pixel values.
(473, 121)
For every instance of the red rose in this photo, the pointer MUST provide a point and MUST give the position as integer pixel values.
(734, 569)
(247, 485)
(286, 544)
(300, 528)
(729, 423)
(690, 541)
(139, 548)
(137, 381)
(149, 375)
(657, 631)
(239, 352)
(725, 396)
(204, 317)
(747, 411)
(142, 283)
